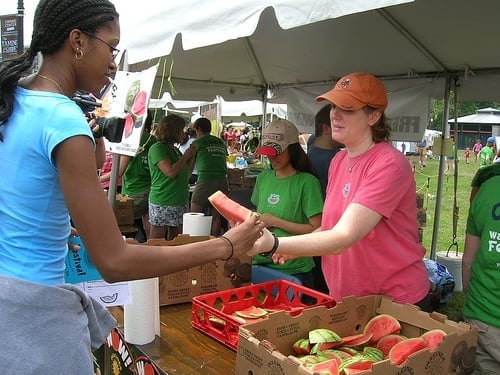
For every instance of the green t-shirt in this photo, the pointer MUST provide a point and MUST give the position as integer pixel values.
(295, 198)
(167, 191)
(483, 299)
(211, 158)
(486, 153)
(136, 177)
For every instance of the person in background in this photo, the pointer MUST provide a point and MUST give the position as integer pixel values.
(487, 153)
(230, 136)
(321, 152)
(212, 171)
(450, 160)
(482, 175)
(170, 171)
(368, 237)
(55, 162)
(105, 173)
(136, 179)
(252, 145)
(189, 137)
(288, 196)
(476, 149)
(467, 155)
(481, 275)
(421, 148)
(244, 138)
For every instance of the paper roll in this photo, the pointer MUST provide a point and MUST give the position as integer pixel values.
(140, 317)
(196, 224)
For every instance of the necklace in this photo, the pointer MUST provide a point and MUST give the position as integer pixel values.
(51, 80)
(358, 159)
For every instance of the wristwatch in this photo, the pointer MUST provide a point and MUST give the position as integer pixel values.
(271, 252)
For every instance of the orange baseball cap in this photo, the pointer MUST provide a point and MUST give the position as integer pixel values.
(356, 91)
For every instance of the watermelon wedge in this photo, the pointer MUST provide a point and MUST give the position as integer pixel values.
(403, 349)
(231, 210)
(433, 338)
(252, 313)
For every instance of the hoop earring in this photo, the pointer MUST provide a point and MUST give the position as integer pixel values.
(78, 54)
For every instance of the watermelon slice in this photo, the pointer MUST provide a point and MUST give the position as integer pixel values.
(386, 343)
(330, 367)
(382, 325)
(129, 125)
(140, 103)
(433, 338)
(357, 340)
(402, 350)
(231, 210)
(252, 313)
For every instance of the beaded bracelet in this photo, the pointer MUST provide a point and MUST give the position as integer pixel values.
(230, 244)
(271, 252)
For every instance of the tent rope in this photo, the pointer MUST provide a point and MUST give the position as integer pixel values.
(455, 174)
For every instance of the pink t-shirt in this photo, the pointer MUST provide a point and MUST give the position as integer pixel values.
(389, 260)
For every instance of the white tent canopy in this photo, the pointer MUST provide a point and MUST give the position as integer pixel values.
(241, 49)
(229, 109)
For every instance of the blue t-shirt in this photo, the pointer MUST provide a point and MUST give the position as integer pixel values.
(34, 218)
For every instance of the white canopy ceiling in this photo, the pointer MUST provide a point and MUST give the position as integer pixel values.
(238, 50)
(246, 49)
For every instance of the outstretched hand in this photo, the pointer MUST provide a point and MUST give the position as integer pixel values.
(244, 235)
(263, 244)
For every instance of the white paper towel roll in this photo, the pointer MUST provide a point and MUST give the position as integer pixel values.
(140, 316)
(196, 224)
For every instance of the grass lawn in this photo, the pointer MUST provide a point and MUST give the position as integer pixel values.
(427, 184)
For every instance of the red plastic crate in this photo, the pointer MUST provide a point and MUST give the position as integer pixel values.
(271, 295)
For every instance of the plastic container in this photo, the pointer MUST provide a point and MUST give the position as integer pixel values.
(212, 313)
(453, 261)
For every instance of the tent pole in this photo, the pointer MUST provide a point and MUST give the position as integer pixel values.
(439, 193)
(115, 167)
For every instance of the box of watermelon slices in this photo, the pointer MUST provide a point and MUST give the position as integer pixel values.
(366, 335)
(220, 314)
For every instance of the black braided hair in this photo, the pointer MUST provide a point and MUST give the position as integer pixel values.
(53, 21)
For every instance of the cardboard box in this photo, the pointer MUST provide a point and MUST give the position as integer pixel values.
(265, 347)
(124, 210)
(182, 286)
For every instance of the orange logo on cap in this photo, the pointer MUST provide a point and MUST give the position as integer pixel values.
(344, 84)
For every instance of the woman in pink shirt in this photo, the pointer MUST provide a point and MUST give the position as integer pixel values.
(368, 237)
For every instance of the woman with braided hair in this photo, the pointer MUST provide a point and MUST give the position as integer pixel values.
(49, 176)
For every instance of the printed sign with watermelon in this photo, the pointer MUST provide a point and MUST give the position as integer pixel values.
(128, 98)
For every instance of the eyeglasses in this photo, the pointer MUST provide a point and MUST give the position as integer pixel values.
(114, 51)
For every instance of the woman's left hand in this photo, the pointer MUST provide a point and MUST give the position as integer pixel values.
(263, 244)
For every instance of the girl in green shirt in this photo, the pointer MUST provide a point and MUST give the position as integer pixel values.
(170, 170)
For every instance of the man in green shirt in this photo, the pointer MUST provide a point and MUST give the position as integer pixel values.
(212, 171)
(487, 153)
(481, 274)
